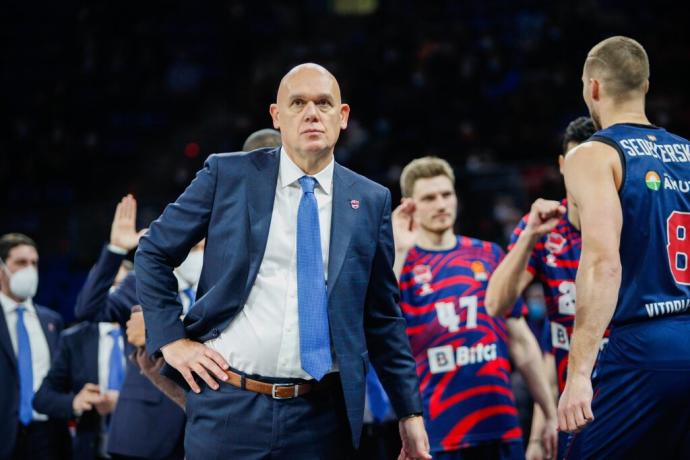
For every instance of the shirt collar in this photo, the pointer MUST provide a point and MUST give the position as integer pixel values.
(290, 173)
(105, 328)
(9, 305)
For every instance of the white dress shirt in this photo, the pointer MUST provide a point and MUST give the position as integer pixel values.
(263, 338)
(105, 347)
(40, 353)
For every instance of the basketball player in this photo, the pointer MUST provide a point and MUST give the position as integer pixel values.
(462, 353)
(628, 193)
(545, 246)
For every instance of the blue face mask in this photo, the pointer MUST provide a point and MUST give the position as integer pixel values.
(536, 308)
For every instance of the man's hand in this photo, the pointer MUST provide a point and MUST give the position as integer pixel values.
(575, 406)
(549, 438)
(415, 442)
(123, 233)
(136, 330)
(405, 229)
(107, 403)
(188, 356)
(543, 217)
(535, 451)
(87, 397)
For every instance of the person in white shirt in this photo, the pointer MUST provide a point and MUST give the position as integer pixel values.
(28, 338)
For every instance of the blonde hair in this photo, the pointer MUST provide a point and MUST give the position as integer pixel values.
(621, 63)
(424, 168)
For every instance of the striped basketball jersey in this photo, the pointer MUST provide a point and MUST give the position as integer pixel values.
(554, 262)
(461, 351)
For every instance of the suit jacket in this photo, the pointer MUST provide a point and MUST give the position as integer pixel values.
(230, 203)
(75, 365)
(51, 323)
(140, 404)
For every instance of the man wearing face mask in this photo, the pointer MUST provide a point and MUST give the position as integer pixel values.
(140, 404)
(28, 339)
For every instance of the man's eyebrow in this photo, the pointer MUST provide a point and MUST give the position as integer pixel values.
(318, 97)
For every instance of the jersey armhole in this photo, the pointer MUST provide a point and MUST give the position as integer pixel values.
(611, 143)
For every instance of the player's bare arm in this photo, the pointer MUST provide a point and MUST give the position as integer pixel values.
(536, 449)
(593, 174)
(511, 277)
(525, 353)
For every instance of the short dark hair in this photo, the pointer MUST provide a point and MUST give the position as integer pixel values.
(578, 130)
(10, 241)
(622, 64)
(262, 138)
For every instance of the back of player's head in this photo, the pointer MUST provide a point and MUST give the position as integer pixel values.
(622, 65)
(578, 131)
(262, 138)
(423, 168)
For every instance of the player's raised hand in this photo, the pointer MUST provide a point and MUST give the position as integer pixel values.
(405, 229)
(544, 216)
(123, 232)
(575, 405)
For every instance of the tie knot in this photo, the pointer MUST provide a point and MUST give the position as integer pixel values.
(20, 310)
(115, 333)
(307, 183)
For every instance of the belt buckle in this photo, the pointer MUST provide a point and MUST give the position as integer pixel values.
(275, 387)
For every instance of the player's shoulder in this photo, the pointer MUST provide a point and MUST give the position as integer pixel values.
(78, 330)
(481, 246)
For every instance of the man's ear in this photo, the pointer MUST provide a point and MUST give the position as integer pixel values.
(273, 110)
(344, 115)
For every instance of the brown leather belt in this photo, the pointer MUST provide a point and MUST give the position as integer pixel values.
(280, 390)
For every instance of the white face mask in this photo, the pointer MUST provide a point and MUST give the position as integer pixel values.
(24, 282)
(190, 269)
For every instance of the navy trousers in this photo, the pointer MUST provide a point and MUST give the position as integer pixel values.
(233, 423)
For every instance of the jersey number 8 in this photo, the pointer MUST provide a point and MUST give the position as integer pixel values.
(678, 247)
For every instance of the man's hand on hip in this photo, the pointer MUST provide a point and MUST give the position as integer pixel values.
(188, 356)
(415, 442)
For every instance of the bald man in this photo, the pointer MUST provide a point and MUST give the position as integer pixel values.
(297, 293)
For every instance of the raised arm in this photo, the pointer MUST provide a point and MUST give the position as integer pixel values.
(93, 302)
(512, 277)
(592, 177)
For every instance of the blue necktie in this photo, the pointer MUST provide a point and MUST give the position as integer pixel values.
(314, 337)
(26, 371)
(116, 373)
(379, 404)
(189, 292)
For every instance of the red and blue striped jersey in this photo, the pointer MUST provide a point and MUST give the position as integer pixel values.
(461, 351)
(554, 262)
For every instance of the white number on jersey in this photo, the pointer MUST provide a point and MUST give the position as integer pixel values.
(566, 301)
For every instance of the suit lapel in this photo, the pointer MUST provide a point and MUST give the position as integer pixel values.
(5, 341)
(91, 352)
(342, 222)
(261, 191)
(50, 330)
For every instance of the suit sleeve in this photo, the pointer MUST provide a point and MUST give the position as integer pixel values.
(54, 397)
(182, 225)
(93, 302)
(384, 326)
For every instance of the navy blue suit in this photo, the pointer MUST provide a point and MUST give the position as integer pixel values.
(51, 323)
(75, 365)
(140, 405)
(230, 203)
